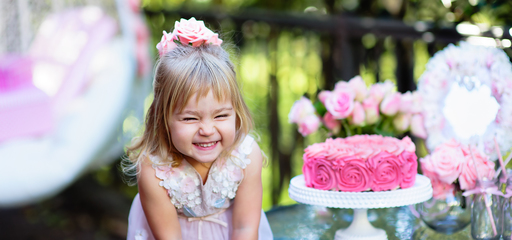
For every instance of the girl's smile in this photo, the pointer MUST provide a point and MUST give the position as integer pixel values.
(204, 128)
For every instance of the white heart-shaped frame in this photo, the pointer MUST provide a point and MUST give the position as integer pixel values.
(476, 68)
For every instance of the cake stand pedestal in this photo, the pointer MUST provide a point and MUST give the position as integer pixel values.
(360, 228)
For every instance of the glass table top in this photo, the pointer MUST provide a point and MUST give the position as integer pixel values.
(301, 221)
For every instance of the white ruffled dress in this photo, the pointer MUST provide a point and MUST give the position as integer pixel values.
(204, 211)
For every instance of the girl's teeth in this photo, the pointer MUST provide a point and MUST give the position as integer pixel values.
(206, 144)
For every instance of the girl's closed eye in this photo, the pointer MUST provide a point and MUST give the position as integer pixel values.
(189, 119)
(222, 116)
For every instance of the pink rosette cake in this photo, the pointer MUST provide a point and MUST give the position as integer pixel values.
(361, 163)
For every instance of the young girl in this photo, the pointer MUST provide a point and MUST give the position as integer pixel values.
(198, 170)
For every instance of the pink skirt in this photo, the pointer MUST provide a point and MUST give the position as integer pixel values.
(138, 228)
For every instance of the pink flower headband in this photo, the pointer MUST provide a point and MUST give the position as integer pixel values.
(187, 32)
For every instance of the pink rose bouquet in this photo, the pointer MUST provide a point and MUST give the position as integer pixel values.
(451, 167)
(353, 108)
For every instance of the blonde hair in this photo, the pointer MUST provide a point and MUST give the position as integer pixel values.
(179, 74)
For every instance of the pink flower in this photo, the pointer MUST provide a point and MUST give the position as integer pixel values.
(359, 87)
(358, 116)
(331, 123)
(469, 175)
(390, 105)
(195, 33)
(309, 125)
(409, 165)
(379, 90)
(340, 103)
(402, 121)
(354, 176)
(166, 44)
(406, 102)
(417, 102)
(320, 175)
(343, 86)
(440, 188)
(387, 173)
(417, 127)
(371, 110)
(323, 95)
(447, 160)
(301, 109)
(188, 32)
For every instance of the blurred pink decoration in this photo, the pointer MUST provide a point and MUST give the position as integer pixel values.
(142, 37)
(24, 109)
(14, 74)
(68, 41)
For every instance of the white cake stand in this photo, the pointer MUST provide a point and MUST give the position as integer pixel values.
(361, 228)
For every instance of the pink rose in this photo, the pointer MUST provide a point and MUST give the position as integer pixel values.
(188, 32)
(371, 110)
(387, 173)
(447, 162)
(193, 32)
(469, 175)
(320, 175)
(406, 102)
(354, 176)
(342, 86)
(309, 125)
(331, 123)
(440, 188)
(390, 104)
(340, 104)
(417, 103)
(379, 90)
(303, 113)
(323, 95)
(359, 87)
(214, 40)
(166, 44)
(357, 117)
(409, 167)
(301, 109)
(417, 126)
(402, 121)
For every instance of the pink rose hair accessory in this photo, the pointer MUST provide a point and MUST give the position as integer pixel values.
(187, 32)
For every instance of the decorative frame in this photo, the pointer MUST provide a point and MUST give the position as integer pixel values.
(492, 67)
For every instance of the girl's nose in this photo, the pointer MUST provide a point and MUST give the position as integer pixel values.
(207, 128)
